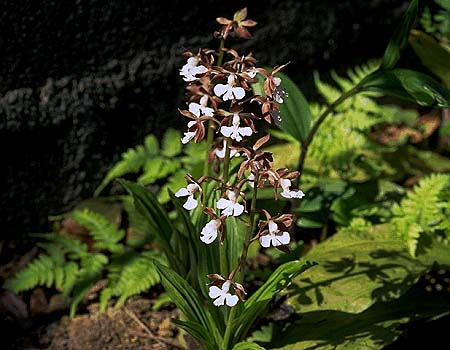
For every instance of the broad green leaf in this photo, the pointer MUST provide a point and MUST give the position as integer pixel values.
(408, 85)
(198, 332)
(355, 270)
(248, 346)
(400, 37)
(256, 305)
(189, 303)
(432, 55)
(372, 329)
(295, 113)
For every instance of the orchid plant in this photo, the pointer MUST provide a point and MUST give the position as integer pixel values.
(224, 112)
(230, 99)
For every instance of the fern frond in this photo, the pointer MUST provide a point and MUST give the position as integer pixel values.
(132, 161)
(137, 223)
(130, 275)
(105, 234)
(423, 211)
(343, 136)
(39, 272)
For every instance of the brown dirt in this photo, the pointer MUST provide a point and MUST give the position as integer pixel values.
(132, 327)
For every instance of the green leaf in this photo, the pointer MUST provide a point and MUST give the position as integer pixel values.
(432, 55)
(408, 85)
(189, 303)
(295, 113)
(372, 329)
(248, 346)
(105, 233)
(257, 303)
(156, 217)
(171, 144)
(400, 37)
(355, 270)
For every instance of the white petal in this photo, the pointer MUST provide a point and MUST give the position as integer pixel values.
(273, 227)
(286, 194)
(228, 94)
(265, 241)
(238, 92)
(219, 301)
(182, 192)
(220, 152)
(277, 81)
(204, 101)
(188, 136)
(247, 131)
(207, 111)
(284, 238)
(228, 211)
(231, 299)
(194, 108)
(223, 203)
(209, 232)
(297, 194)
(226, 130)
(191, 203)
(285, 184)
(192, 61)
(231, 196)
(238, 209)
(220, 89)
(200, 70)
(214, 292)
(230, 79)
(192, 188)
(236, 120)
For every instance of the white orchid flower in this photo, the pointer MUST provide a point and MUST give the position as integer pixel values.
(220, 152)
(280, 92)
(230, 206)
(188, 191)
(229, 90)
(210, 231)
(222, 295)
(287, 192)
(275, 237)
(189, 135)
(200, 108)
(191, 69)
(235, 131)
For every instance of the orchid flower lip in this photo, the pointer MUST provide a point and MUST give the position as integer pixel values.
(229, 206)
(222, 295)
(188, 191)
(274, 237)
(229, 91)
(210, 231)
(235, 131)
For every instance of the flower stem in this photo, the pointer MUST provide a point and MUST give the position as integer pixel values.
(210, 128)
(305, 144)
(241, 263)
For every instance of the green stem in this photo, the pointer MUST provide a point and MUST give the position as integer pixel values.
(241, 264)
(210, 128)
(305, 144)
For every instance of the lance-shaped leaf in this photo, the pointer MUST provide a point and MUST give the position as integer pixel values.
(256, 305)
(155, 215)
(409, 85)
(189, 303)
(296, 118)
(400, 37)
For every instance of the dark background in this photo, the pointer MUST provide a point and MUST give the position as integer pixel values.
(83, 80)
